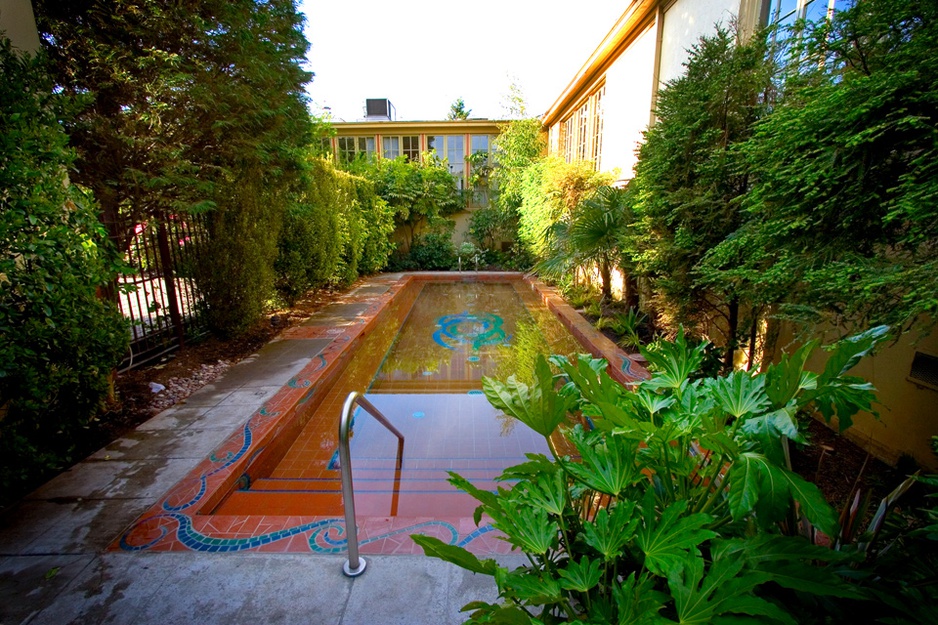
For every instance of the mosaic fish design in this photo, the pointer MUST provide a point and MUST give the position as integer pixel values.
(475, 330)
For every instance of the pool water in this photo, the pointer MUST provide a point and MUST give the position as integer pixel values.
(422, 367)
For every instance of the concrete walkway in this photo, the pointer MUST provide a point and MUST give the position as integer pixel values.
(54, 567)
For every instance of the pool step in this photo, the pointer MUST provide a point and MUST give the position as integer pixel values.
(376, 494)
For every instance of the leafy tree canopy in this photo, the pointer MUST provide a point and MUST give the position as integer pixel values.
(689, 179)
(843, 216)
(458, 110)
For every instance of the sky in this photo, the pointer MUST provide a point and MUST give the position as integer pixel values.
(424, 54)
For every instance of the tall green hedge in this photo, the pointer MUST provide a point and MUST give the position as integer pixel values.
(60, 340)
(336, 229)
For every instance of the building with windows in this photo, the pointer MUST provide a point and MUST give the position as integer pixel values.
(453, 141)
(601, 114)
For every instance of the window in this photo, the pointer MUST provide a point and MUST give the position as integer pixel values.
(351, 148)
(411, 147)
(924, 370)
(456, 155)
(437, 143)
(581, 133)
(391, 146)
(597, 125)
(566, 138)
(366, 146)
(479, 143)
(452, 148)
(786, 12)
(346, 149)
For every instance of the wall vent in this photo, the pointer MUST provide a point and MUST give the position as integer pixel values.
(924, 370)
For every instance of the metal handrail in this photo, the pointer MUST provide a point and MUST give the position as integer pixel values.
(355, 565)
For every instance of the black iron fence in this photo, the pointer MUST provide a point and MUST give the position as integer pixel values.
(161, 298)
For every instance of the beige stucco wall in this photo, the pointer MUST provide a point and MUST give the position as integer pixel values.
(908, 412)
(684, 22)
(18, 24)
(627, 103)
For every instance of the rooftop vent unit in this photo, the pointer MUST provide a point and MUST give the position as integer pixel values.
(380, 110)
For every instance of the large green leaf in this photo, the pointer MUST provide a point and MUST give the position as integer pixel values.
(497, 614)
(580, 576)
(672, 362)
(590, 378)
(609, 531)
(811, 502)
(548, 492)
(537, 464)
(608, 465)
(848, 352)
(785, 378)
(668, 542)
(436, 548)
(529, 529)
(725, 589)
(843, 398)
(539, 407)
(810, 579)
(745, 479)
(754, 479)
(740, 394)
(638, 602)
(528, 585)
(488, 499)
(763, 548)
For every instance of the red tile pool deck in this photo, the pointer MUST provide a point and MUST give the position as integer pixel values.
(193, 515)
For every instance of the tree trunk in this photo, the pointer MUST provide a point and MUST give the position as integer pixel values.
(733, 326)
(605, 273)
(630, 288)
(753, 334)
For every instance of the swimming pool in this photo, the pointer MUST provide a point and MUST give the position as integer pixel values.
(419, 347)
(422, 368)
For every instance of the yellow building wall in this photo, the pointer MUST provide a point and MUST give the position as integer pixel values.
(684, 23)
(908, 414)
(628, 103)
(18, 24)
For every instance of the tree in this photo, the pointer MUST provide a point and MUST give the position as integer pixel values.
(420, 193)
(551, 191)
(519, 145)
(689, 180)
(192, 107)
(591, 237)
(842, 216)
(458, 110)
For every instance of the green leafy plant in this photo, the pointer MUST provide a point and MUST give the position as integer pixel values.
(671, 510)
(61, 337)
(625, 325)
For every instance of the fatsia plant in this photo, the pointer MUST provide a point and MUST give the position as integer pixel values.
(671, 510)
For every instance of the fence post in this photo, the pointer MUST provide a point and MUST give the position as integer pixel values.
(166, 263)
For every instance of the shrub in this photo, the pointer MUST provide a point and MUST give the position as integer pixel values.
(236, 273)
(336, 229)
(678, 507)
(433, 252)
(61, 341)
(552, 188)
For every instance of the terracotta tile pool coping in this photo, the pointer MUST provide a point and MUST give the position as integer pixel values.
(181, 520)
